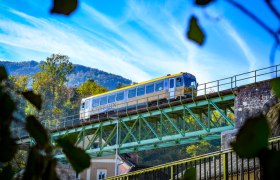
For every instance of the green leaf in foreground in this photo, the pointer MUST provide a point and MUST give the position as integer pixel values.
(194, 31)
(65, 7)
(3, 73)
(275, 84)
(78, 158)
(190, 174)
(203, 2)
(7, 107)
(71, 137)
(36, 164)
(34, 99)
(50, 172)
(269, 161)
(6, 172)
(252, 137)
(8, 146)
(37, 131)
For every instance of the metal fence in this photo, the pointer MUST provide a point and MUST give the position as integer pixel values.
(218, 165)
(239, 80)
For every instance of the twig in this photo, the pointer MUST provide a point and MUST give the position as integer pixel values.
(272, 8)
(273, 53)
(257, 20)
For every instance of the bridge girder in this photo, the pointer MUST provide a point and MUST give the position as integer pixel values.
(174, 125)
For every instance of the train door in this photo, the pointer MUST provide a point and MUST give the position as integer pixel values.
(171, 88)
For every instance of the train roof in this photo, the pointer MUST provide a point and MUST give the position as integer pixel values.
(139, 84)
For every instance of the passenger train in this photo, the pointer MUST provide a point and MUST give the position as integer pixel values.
(167, 87)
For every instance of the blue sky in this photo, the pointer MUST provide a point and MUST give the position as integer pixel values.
(138, 39)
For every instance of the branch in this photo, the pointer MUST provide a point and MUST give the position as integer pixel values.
(273, 52)
(252, 16)
(272, 8)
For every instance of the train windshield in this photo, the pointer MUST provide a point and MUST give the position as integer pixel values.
(83, 106)
(190, 81)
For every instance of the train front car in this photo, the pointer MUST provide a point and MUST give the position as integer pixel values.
(182, 85)
(84, 109)
(190, 85)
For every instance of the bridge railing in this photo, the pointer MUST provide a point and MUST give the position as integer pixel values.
(60, 123)
(239, 80)
(218, 165)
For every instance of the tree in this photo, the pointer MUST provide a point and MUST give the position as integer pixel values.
(41, 163)
(202, 147)
(121, 85)
(90, 88)
(50, 83)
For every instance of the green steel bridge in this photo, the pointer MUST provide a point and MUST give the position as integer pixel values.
(161, 124)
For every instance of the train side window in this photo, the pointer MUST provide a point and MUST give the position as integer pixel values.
(140, 91)
(95, 102)
(179, 82)
(150, 88)
(159, 86)
(120, 96)
(131, 93)
(87, 104)
(111, 98)
(103, 100)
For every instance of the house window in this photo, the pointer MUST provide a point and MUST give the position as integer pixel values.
(101, 174)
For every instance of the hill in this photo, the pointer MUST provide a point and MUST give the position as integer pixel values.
(76, 78)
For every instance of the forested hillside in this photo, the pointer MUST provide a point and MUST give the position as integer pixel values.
(77, 77)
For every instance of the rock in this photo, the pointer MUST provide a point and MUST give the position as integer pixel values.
(273, 117)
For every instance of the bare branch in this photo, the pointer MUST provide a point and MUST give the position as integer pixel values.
(272, 8)
(273, 53)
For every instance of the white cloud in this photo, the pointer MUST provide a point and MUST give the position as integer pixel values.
(148, 41)
(230, 30)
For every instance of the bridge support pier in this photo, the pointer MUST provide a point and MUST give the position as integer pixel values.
(250, 101)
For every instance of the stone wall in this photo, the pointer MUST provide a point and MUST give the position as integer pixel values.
(250, 101)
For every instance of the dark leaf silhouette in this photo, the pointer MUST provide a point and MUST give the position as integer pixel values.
(252, 137)
(35, 165)
(275, 83)
(269, 160)
(65, 7)
(190, 174)
(37, 131)
(203, 2)
(194, 31)
(7, 172)
(34, 99)
(71, 138)
(3, 73)
(8, 146)
(50, 172)
(7, 106)
(78, 158)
